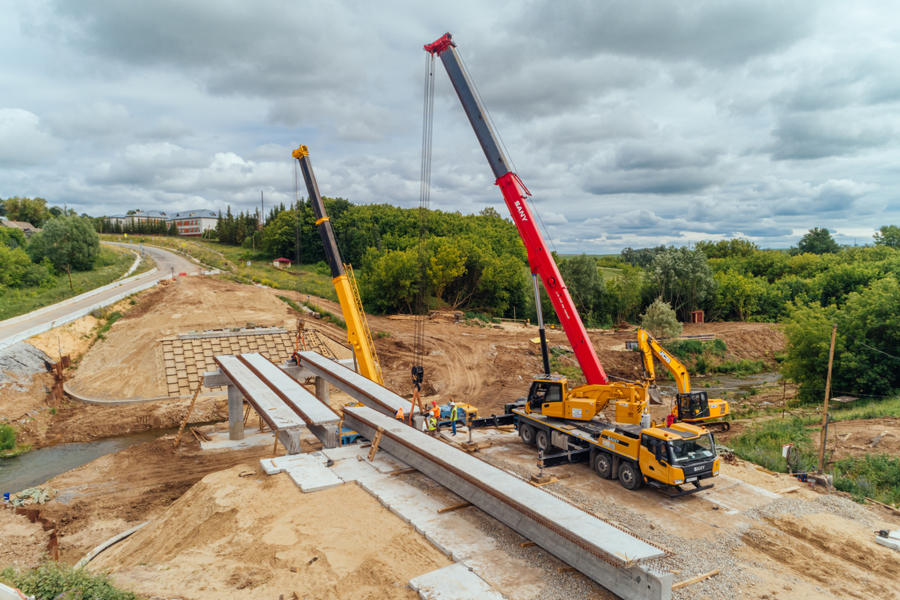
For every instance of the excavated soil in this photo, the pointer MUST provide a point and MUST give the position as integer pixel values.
(130, 364)
(232, 537)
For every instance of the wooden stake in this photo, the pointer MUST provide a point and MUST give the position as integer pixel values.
(570, 570)
(188, 415)
(527, 544)
(694, 580)
(822, 436)
(454, 507)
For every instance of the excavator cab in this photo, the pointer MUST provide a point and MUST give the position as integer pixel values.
(694, 405)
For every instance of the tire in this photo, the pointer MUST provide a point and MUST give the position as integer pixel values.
(542, 440)
(603, 465)
(630, 476)
(526, 432)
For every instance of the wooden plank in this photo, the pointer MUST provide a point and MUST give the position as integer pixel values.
(527, 544)
(566, 569)
(788, 490)
(694, 580)
(887, 506)
(402, 472)
(375, 443)
(553, 480)
(454, 507)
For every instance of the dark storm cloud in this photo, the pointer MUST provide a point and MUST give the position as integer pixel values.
(818, 135)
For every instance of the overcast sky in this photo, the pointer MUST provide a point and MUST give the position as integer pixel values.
(633, 123)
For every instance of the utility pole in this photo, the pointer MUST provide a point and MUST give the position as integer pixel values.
(824, 433)
(262, 207)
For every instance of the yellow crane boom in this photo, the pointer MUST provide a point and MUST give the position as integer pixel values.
(358, 335)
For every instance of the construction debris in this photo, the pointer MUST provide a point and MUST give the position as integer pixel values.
(31, 496)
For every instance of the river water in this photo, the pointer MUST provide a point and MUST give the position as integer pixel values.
(721, 385)
(36, 467)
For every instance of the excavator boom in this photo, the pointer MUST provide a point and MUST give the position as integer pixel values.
(650, 348)
(515, 194)
(357, 327)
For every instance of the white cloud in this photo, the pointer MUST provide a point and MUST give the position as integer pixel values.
(24, 140)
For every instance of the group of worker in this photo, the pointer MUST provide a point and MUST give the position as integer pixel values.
(432, 423)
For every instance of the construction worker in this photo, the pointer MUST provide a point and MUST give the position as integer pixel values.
(453, 416)
(399, 414)
(432, 425)
(436, 413)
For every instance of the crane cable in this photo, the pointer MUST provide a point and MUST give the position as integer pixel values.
(424, 202)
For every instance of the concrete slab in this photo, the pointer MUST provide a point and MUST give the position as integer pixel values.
(220, 441)
(737, 496)
(313, 410)
(455, 582)
(613, 558)
(309, 472)
(273, 409)
(358, 387)
(385, 462)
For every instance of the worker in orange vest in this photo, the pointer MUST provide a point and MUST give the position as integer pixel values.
(399, 414)
(436, 413)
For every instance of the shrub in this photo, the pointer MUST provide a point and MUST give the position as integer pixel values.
(660, 320)
(50, 580)
(7, 437)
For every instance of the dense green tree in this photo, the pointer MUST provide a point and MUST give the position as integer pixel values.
(660, 320)
(624, 294)
(866, 345)
(888, 235)
(682, 278)
(12, 237)
(641, 257)
(69, 243)
(29, 210)
(728, 248)
(585, 285)
(817, 241)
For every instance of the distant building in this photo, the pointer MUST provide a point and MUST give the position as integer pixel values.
(282, 263)
(27, 228)
(192, 223)
(139, 216)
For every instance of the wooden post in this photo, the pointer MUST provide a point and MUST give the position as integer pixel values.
(190, 410)
(823, 434)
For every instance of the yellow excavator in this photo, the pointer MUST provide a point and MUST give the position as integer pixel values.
(690, 407)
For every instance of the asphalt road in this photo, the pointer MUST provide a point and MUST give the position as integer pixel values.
(167, 263)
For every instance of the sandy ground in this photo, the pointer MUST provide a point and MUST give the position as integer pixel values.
(24, 542)
(129, 363)
(233, 537)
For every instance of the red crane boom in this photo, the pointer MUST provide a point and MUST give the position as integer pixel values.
(514, 193)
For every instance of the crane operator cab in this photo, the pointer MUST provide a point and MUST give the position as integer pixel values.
(546, 389)
(694, 405)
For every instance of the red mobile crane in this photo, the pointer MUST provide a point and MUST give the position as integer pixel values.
(633, 450)
(514, 193)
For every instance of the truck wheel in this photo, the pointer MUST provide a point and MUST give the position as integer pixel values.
(630, 477)
(603, 465)
(543, 440)
(526, 432)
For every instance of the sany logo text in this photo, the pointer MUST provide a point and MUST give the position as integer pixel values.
(521, 210)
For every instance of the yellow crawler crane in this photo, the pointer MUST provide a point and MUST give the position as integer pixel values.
(358, 335)
(690, 407)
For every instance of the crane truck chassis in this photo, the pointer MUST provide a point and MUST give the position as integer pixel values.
(664, 458)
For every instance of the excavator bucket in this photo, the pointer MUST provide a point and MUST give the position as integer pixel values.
(655, 395)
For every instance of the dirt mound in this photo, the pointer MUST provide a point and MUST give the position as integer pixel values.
(129, 363)
(820, 546)
(229, 535)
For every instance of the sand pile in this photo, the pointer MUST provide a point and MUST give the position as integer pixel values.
(129, 362)
(254, 537)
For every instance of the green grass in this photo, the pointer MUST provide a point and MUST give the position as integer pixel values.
(875, 476)
(761, 444)
(328, 317)
(741, 367)
(111, 264)
(109, 323)
(50, 580)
